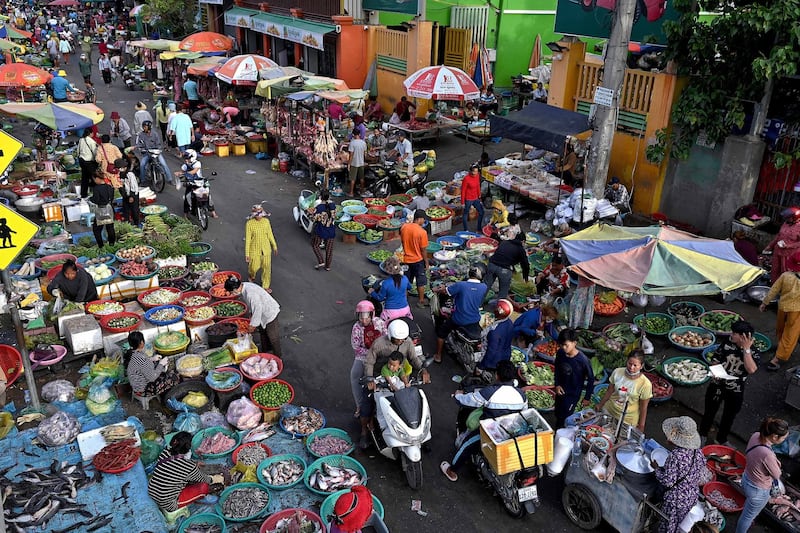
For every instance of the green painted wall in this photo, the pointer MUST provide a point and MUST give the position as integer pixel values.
(517, 30)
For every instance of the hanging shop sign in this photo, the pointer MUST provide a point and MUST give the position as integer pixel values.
(305, 37)
(396, 6)
(239, 19)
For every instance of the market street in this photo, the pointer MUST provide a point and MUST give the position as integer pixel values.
(317, 312)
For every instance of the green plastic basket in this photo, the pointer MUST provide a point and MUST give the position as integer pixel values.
(227, 492)
(326, 508)
(203, 518)
(333, 432)
(210, 432)
(269, 461)
(340, 461)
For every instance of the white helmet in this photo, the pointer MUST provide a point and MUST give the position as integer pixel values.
(398, 329)
(191, 155)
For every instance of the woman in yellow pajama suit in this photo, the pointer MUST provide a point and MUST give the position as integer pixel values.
(259, 245)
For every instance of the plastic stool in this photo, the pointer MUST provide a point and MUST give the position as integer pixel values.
(87, 219)
(49, 165)
(144, 400)
(174, 516)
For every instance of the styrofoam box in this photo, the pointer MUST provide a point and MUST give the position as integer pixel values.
(198, 333)
(84, 335)
(74, 212)
(110, 341)
(61, 324)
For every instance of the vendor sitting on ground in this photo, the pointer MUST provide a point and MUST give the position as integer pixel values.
(420, 201)
(617, 194)
(147, 376)
(73, 284)
(470, 113)
(206, 118)
(535, 323)
(499, 217)
(176, 481)
(511, 231)
(373, 111)
(554, 279)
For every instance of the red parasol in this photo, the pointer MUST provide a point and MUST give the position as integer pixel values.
(22, 75)
(441, 83)
(206, 41)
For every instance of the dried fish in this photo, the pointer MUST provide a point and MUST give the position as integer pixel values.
(244, 503)
(251, 455)
(203, 527)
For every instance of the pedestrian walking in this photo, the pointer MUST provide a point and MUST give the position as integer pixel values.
(573, 375)
(264, 311)
(415, 256)
(129, 190)
(104, 64)
(66, 49)
(259, 245)
(324, 216)
(87, 159)
(787, 328)
(141, 116)
(357, 149)
(501, 265)
(85, 66)
(471, 196)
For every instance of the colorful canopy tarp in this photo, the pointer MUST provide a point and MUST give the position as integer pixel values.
(63, 116)
(310, 83)
(343, 97)
(12, 32)
(657, 260)
(5, 44)
(207, 41)
(205, 65)
(22, 75)
(64, 3)
(244, 69)
(169, 54)
(272, 73)
(441, 83)
(157, 44)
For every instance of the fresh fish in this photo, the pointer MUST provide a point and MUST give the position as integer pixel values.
(244, 503)
(283, 472)
(102, 523)
(203, 528)
(332, 478)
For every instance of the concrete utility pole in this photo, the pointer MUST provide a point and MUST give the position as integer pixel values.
(606, 117)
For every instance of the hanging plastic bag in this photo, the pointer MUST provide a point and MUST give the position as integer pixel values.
(188, 422)
(150, 451)
(213, 418)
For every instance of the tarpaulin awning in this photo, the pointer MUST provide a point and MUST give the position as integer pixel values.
(205, 65)
(169, 54)
(541, 125)
(343, 97)
(310, 83)
(157, 44)
(657, 260)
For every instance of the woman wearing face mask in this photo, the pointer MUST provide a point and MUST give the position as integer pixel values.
(259, 245)
(176, 481)
(628, 383)
(367, 328)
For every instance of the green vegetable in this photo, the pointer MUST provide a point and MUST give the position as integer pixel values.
(716, 321)
(621, 333)
(597, 366)
(540, 399)
(352, 227)
(371, 235)
(272, 394)
(229, 309)
(517, 356)
(380, 255)
(760, 345)
(437, 212)
(203, 266)
(540, 375)
(657, 325)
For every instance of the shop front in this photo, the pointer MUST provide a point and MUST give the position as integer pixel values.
(289, 41)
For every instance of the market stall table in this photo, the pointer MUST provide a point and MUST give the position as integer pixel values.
(432, 131)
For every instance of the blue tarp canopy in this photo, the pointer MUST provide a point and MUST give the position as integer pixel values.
(541, 125)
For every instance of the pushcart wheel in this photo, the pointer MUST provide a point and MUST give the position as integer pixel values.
(581, 506)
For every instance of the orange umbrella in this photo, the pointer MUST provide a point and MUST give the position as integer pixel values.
(206, 41)
(536, 53)
(22, 75)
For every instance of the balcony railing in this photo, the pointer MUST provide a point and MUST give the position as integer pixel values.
(314, 10)
(637, 89)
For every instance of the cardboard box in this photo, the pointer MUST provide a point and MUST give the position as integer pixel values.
(504, 454)
(84, 335)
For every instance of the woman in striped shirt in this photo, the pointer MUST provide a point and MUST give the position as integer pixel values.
(176, 481)
(146, 376)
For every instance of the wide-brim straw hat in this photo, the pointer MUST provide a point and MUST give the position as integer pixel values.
(682, 431)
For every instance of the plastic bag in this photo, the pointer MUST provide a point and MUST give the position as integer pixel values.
(6, 424)
(99, 390)
(99, 408)
(59, 429)
(213, 418)
(150, 451)
(188, 422)
(58, 306)
(244, 474)
(563, 309)
(59, 390)
(243, 414)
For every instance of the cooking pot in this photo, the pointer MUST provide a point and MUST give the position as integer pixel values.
(29, 204)
(633, 460)
(757, 293)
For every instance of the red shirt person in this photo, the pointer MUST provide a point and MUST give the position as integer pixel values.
(471, 196)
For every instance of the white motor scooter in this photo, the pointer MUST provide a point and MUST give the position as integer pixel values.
(306, 200)
(404, 418)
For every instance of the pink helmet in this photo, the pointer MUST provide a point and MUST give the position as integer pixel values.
(365, 306)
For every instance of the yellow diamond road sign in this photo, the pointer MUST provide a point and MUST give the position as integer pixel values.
(9, 148)
(16, 231)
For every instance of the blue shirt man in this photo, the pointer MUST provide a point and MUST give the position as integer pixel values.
(190, 88)
(61, 86)
(468, 297)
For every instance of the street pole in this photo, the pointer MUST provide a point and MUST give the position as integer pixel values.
(26, 362)
(606, 116)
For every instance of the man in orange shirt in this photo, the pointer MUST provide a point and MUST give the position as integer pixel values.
(415, 241)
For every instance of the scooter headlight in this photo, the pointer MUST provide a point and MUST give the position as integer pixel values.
(401, 432)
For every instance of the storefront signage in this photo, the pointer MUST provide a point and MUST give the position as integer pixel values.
(234, 18)
(395, 6)
(268, 27)
(296, 35)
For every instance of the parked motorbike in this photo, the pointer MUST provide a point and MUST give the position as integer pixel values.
(404, 420)
(306, 200)
(377, 180)
(398, 177)
(518, 490)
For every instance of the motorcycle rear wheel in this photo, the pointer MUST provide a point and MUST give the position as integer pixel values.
(513, 507)
(413, 472)
(202, 217)
(158, 176)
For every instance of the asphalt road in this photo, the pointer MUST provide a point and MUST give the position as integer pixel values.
(317, 309)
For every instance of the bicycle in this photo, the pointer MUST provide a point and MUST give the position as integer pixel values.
(154, 173)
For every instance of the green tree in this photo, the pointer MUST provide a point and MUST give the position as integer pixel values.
(729, 61)
(175, 17)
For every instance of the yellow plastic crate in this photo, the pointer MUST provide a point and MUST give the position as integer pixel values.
(239, 352)
(534, 448)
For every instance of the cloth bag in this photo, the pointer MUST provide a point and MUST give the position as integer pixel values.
(103, 214)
